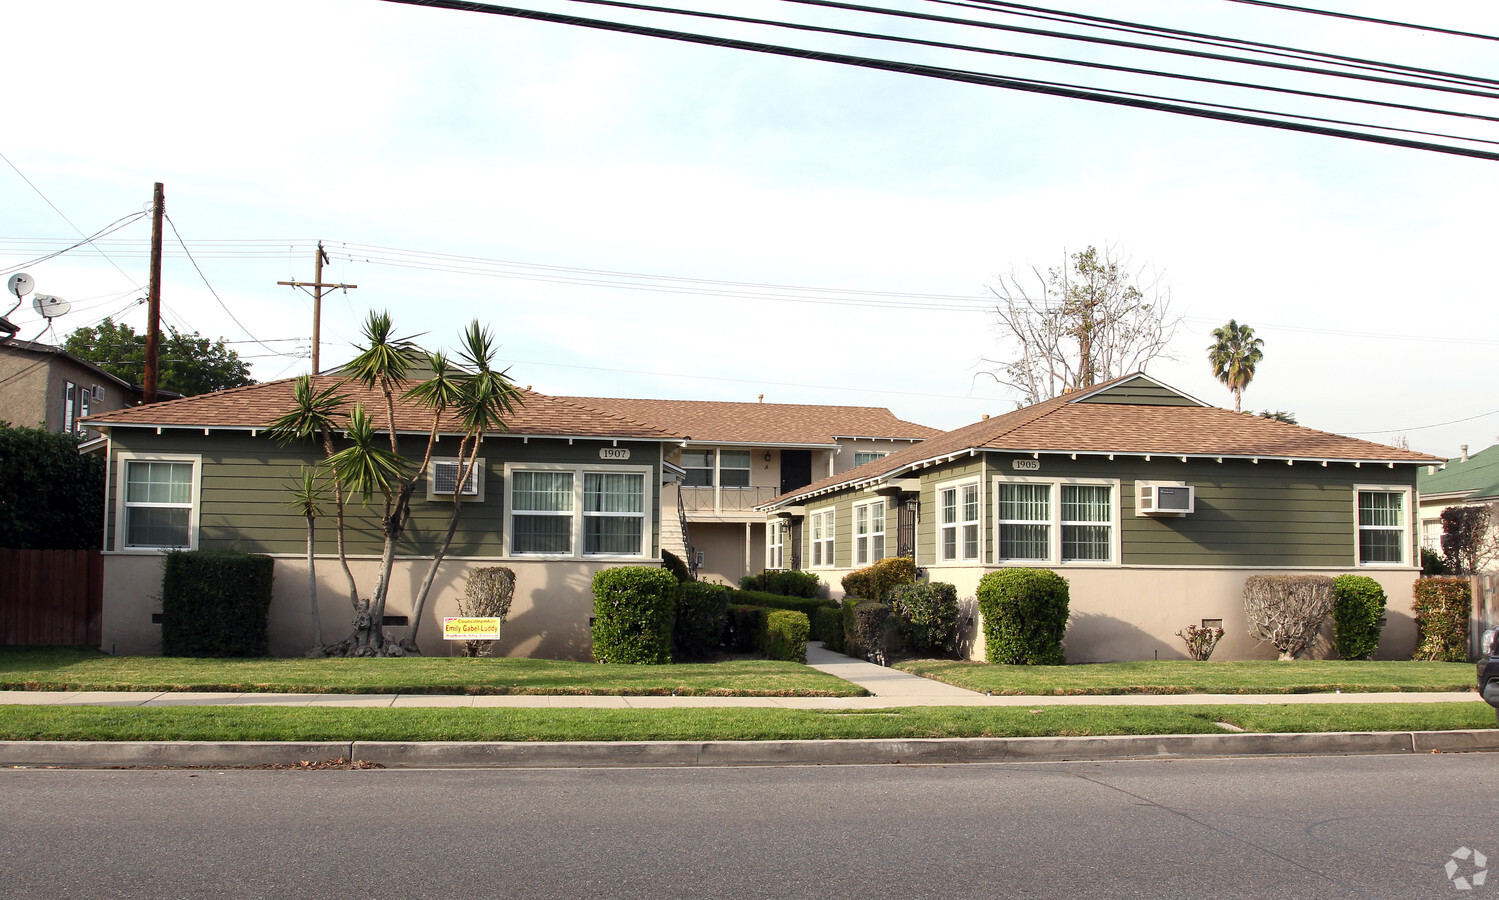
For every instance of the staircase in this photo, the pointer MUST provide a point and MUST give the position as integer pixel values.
(674, 533)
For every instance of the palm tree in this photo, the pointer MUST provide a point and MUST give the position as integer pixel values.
(1234, 354)
(481, 397)
(307, 499)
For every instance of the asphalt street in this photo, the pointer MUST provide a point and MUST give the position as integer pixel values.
(1368, 826)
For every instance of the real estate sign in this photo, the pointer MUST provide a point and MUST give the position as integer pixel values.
(471, 628)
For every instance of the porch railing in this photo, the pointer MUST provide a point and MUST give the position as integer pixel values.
(727, 499)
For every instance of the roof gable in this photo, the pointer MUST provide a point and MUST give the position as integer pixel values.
(1139, 390)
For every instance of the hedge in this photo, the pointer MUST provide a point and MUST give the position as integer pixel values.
(786, 633)
(747, 627)
(634, 608)
(702, 619)
(785, 583)
(827, 626)
(1025, 616)
(215, 603)
(1441, 608)
(806, 606)
(928, 617)
(1357, 606)
(875, 582)
(51, 496)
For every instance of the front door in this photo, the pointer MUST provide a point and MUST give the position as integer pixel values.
(796, 469)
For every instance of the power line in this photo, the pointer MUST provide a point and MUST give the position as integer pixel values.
(215, 293)
(1357, 18)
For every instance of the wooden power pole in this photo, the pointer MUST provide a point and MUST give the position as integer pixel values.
(153, 297)
(317, 302)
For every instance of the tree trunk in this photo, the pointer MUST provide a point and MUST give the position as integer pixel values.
(317, 623)
(442, 549)
(338, 503)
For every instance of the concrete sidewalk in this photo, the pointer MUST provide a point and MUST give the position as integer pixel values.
(888, 687)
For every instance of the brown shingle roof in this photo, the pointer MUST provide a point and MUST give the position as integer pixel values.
(1065, 425)
(258, 405)
(763, 423)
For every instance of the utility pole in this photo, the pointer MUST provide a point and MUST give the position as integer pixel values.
(317, 302)
(153, 296)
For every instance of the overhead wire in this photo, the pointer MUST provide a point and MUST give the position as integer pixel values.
(1433, 29)
(215, 293)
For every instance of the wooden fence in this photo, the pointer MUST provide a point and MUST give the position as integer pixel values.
(51, 597)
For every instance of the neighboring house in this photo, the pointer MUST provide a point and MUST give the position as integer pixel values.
(1462, 481)
(737, 456)
(1153, 505)
(567, 490)
(46, 386)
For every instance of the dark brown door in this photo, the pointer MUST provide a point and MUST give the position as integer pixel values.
(796, 469)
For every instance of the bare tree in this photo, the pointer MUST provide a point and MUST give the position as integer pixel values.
(1084, 322)
(1287, 610)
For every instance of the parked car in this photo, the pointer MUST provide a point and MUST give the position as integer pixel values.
(1488, 671)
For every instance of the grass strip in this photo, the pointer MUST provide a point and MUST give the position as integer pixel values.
(271, 723)
(1188, 677)
(75, 669)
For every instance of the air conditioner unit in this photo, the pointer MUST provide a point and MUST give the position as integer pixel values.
(1154, 498)
(445, 479)
(99, 392)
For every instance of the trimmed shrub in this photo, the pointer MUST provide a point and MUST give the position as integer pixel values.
(827, 626)
(1200, 641)
(702, 619)
(928, 617)
(673, 564)
(1433, 563)
(747, 627)
(1025, 616)
(875, 582)
(786, 583)
(215, 603)
(1287, 610)
(851, 644)
(1358, 602)
(1441, 608)
(786, 633)
(876, 629)
(634, 608)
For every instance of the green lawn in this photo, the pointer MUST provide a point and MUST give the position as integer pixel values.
(72, 669)
(1187, 677)
(269, 723)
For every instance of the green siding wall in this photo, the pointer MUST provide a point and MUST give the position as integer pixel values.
(1139, 392)
(966, 468)
(245, 484)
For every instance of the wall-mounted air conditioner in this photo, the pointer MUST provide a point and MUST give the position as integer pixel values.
(1164, 498)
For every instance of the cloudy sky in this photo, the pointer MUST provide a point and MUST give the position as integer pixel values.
(636, 217)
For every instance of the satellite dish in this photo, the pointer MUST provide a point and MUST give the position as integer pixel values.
(20, 284)
(50, 307)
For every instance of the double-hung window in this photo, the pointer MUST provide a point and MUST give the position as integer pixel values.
(869, 532)
(821, 529)
(1054, 521)
(958, 523)
(733, 468)
(775, 544)
(1382, 517)
(157, 503)
(699, 466)
(577, 511)
(867, 456)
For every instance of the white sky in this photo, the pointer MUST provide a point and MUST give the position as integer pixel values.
(1364, 268)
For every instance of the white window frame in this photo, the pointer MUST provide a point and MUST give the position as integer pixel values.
(1049, 522)
(1405, 528)
(775, 544)
(711, 468)
(871, 455)
(121, 532)
(822, 528)
(473, 491)
(1054, 530)
(1431, 535)
(869, 530)
(577, 514)
(960, 525)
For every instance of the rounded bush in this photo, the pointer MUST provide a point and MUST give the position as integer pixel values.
(1025, 616)
(786, 633)
(633, 609)
(1357, 605)
(928, 616)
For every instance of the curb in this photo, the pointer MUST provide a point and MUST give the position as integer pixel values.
(686, 754)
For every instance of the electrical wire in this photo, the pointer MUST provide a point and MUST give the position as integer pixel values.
(1357, 18)
(215, 293)
(111, 228)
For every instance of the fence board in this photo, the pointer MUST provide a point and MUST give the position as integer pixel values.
(51, 597)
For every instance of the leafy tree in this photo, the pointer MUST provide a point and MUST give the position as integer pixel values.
(1079, 324)
(1234, 354)
(51, 498)
(1468, 542)
(188, 364)
(1278, 415)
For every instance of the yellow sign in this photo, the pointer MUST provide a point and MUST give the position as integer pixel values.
(473, 628)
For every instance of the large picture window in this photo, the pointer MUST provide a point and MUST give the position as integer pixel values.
(577, 511)
(1382, 526)
(158, 503)
(1055, 521)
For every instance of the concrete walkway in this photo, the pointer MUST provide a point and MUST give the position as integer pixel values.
(889, 687)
